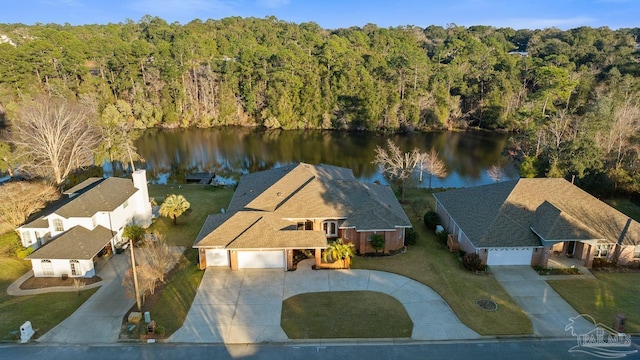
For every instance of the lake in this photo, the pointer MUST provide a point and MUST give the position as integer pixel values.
(229, 152)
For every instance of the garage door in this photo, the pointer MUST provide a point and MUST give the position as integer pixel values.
(260, 259)
(509, 256)
(217, 257)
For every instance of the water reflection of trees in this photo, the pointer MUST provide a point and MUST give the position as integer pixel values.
(233, 151)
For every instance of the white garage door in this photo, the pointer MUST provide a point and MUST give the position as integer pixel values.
(509, 256)
(260, 259)
(217, 257)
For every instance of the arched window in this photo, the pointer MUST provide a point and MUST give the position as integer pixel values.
(330, 228)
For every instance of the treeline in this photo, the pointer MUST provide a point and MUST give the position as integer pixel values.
(573, 95)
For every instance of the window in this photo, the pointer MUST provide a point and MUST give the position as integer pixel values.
(636, 253)
(47, 267)
(58, 225)
(74, 265)
(94, 221)
(602, 250)
(125, 204)
(305, 225)
(369, 237)
(26, 238)
(330, 228)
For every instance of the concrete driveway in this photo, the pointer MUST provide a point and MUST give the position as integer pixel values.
(237, 307)
(548, 311)
(99, 319)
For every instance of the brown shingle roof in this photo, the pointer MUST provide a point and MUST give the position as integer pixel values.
(78, 243)
(266, 206)
(502, 214)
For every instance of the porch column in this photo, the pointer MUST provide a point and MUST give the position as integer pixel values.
(544, 259)
(202, 257)
(289, 259)
(233, 259)
(591, 253)
(318, 257)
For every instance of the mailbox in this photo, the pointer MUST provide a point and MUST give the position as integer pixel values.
(26, 332)
(151, 327)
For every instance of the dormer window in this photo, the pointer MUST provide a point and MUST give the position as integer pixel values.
(305, 225)
(58, 225)
(26, 238)
(330, 228)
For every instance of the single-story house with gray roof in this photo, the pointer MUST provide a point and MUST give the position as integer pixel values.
(522, 222)
(299, 207)
(84, 224)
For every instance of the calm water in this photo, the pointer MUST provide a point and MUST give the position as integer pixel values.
(171, 155)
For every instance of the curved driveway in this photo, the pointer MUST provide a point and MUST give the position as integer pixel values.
(245, 306)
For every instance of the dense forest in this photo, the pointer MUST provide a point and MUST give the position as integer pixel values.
(571, 97)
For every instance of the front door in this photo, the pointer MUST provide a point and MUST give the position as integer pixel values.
(571, 248)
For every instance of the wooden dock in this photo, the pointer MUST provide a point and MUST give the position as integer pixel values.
(201, 178)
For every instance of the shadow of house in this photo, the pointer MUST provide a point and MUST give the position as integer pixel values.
(522, 222)
(299, 206)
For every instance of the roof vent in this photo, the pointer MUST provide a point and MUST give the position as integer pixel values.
(279, 194)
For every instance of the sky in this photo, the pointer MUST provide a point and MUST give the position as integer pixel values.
(332, 14)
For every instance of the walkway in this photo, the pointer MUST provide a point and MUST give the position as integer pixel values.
(245, 306)
(99, 319)
(548, 311)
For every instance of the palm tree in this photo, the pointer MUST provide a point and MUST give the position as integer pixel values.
(339, 251)
(174, 206)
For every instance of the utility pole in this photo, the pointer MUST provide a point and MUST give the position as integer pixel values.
(135, 275)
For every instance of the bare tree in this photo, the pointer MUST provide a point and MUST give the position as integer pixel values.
(396, 165)
(54, 137)
(158, 255)
(431, 163)
(496, 172)
(20, 199)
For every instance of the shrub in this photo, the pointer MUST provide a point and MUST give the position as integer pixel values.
(377, 242)
(442, 236)
(431, 219)
(410, 237)
(472, 262)
(22, 253)
(601, 263)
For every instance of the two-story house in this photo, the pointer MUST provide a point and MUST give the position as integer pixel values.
(86, 223)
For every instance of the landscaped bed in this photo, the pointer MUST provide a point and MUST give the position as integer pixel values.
(345, 314)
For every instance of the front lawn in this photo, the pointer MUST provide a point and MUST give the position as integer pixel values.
(604, 297)
(205, 200)
(431, 263)
(345, 314)
(44, 311)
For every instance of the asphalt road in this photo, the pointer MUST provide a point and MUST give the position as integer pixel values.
(489, 349)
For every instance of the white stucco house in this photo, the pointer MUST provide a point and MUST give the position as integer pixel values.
(86, 223)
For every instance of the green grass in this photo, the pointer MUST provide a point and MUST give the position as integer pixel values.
(431, 263)
(604, 297)
(345, 314)
(174, 304)
(171, 309)
(626, 207)
(204, 200)
(44, 311)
